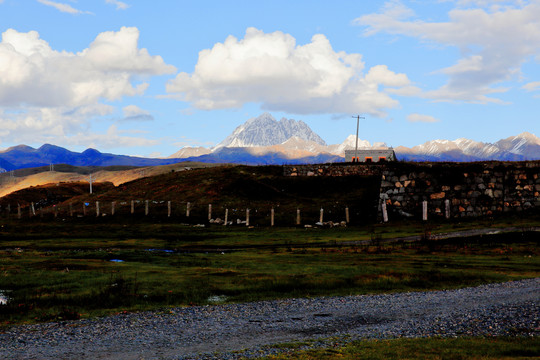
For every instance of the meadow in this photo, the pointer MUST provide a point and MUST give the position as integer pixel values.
(78, 268)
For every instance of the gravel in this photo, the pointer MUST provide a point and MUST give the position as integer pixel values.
(249, 329)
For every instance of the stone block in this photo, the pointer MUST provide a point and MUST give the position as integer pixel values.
(403, 178)
(445, 188)
(481, 187)
(440, 195)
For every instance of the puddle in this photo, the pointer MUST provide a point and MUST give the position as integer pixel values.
(4, 299)
(161, 250)
(217, 299)
(116, 260)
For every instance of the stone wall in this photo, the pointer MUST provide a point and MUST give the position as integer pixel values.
(472, 189)
(335, 169)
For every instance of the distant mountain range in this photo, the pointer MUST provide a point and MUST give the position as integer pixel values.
(264, 140)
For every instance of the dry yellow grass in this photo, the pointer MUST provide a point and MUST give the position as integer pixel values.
(116, 177)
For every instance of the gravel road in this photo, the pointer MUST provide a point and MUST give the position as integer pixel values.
(219, 331)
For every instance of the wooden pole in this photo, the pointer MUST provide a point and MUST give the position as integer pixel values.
(168, 209)
(272, 217)
(226, 216)
(97, 208)
(188, 208)
(384, 212)
(347, 218)
(132, 206)
(424, 210)
(247, 217)
(146, 209)
(297, 216)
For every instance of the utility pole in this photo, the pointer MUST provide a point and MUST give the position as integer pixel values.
(90, 181)
(358, 117)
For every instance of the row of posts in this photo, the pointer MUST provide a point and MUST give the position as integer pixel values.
(188, 210)
(169, 208)
(424, 210)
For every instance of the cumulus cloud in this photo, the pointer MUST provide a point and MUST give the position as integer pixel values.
(495, 39)
(119, 4)
(421, 118)
(135, 113)
(66, 8)
(42, 88)
(271, 69)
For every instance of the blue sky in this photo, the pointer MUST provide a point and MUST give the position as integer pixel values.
(147, 78)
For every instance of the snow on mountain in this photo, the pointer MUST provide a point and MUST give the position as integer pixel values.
(524, 144)
(264, 130)
(521, 147)
(189, 151)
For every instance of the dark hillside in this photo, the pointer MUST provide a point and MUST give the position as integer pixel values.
(258, 188)
(50, 194)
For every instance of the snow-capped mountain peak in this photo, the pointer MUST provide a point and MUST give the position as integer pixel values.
(264, 130)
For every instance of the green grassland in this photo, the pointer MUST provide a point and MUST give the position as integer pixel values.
(67, 270)
(426, 349)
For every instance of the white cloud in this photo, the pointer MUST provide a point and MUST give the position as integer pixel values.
(135, 113)
(46, 90)
(119, 4)
(273, 70)
(494, 42)
(421, 118)
(66, 8)
(532, 86)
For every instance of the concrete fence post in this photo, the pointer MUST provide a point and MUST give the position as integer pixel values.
(132, 206)
(347, 218)
(33, 209)
(168, 209)
(447, 208)
(113, 206)
(297, 216)
(226, 216)
(424, 210)
(146, 209)
(247, 217)
(272, 217)
(188, 208)
(97, 208)
(384, 211)
(321, 215)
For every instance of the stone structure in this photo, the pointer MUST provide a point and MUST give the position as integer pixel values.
(469, 189)
(371, 156)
